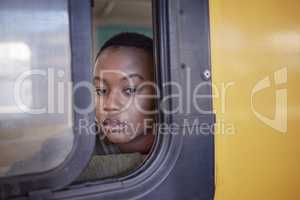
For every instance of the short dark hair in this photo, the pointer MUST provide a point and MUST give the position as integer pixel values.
(129, 39)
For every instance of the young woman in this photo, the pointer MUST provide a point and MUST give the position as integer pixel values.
(123, 79)
(125, 107)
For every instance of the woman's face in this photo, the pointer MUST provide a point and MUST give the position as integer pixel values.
(123, 78)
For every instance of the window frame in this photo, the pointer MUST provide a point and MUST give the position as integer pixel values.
(166, 148)
(162, 164)
(183, 176)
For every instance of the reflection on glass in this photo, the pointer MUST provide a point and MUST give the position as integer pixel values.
(35, 112)
(14, 59)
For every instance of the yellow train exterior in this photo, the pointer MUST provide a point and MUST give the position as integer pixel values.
(255, 49)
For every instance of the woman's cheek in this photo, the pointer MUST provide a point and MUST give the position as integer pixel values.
(141, 104)
(98, 116)
(98, 110)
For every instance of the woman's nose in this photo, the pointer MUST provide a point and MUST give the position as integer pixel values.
(112, 102)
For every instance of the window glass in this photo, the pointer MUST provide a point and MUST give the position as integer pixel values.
(35, 76)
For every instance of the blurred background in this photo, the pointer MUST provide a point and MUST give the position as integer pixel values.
(114, 16)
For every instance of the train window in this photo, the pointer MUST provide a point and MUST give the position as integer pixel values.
(54, 94)
(122, 37)
(87, 110)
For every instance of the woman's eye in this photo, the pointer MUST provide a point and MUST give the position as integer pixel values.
(130, 91)
(101, 91)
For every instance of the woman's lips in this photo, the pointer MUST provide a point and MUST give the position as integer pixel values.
(114, 125)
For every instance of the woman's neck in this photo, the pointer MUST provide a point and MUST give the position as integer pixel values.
(141, 144)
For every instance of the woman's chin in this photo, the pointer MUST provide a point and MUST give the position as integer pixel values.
(119, 137)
